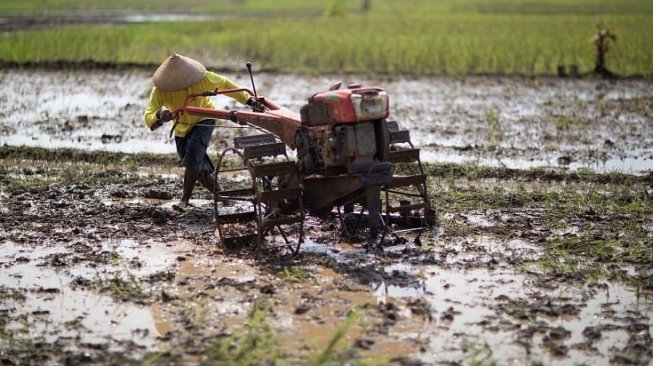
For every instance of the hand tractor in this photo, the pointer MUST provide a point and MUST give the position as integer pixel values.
(347, 152)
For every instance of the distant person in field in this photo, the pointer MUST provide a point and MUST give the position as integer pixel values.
(177, 77)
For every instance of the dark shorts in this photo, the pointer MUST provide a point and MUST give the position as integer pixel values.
(192, 147)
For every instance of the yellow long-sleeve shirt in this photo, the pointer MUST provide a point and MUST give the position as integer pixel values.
(172, 100)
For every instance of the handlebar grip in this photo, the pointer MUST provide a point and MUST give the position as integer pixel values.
(210, 93)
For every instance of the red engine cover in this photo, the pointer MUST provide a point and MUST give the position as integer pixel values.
(354, 105)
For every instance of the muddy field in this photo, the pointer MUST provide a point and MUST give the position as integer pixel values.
(543, 253)
(567, 124)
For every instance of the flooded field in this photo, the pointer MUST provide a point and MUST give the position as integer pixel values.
(525, 266)
(16, 23)
(521, 123)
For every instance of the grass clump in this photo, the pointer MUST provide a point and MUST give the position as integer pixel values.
(253, 344)
(589, 228)
(122, 285)
(479, 355)
(257, 343)
(23, 183)
(614, 246)
(294, 274)
(598, 230)
(39, 154)
(494, 128)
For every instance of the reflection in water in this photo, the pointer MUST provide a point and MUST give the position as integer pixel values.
(57, 308)
(103, 111)
(471, 297)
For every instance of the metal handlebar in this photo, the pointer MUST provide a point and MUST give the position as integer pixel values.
(217, 92)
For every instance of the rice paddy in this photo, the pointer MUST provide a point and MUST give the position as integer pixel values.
(413, 37)
(543, 246)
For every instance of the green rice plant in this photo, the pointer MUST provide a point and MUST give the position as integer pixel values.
(413, 37)
(253, 344)
(256, 343)
(294, 274)
(123, 286)
(494, 128)
(596, 248)
(331, 355)
(152, 359)
(165, 6)
(563, 123)
(13, 184)
(335, 8)
(559, 260)
(479, 356)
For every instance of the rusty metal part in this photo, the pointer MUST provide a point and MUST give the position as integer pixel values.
(407, 204)
(277, 120)
(346, 154)
(271, 203)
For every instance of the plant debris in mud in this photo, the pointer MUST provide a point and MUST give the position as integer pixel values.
(97, 231)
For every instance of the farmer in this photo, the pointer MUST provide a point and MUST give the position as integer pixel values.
(177, 77)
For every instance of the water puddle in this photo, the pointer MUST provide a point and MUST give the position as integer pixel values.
(53, 306)
(156, 18)
(84, 299)
(236, 269)
(10, 24)
(149, 257)
(632, 165)
(470, 312)
(101, 109)
(316, 313)
(340, 252)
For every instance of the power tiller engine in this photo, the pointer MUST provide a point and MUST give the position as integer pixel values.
(348, 153)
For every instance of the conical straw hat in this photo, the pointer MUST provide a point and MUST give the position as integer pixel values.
(177, 73)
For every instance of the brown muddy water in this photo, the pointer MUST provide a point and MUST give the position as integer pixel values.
(97, 267)
(566, 124)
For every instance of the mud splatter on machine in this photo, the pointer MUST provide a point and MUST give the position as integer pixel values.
(347, 152)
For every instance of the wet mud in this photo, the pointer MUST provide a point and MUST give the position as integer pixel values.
(525, 267)
(500, 122)
(98, 267)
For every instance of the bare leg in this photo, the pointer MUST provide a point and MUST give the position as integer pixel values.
(190, 178)
(208, 181)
